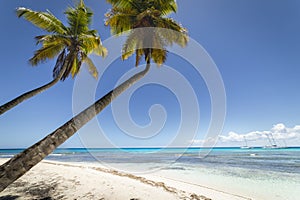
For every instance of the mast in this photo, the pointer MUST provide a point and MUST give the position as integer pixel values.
(245, 141)
(273, 139)
(270, 141)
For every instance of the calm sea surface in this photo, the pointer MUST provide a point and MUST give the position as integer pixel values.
(258, 173)
(275, 160)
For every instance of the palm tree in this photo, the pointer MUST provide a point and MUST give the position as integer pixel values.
(138, 16)
(24, 161)
(70, 44)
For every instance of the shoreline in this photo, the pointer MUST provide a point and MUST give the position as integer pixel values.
(63, 180)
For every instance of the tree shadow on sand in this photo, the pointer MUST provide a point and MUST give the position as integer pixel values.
(9, 197)
(14, 197)
(38, 191)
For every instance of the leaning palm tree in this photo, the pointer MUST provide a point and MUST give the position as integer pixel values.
(154, 13)
(70, 44)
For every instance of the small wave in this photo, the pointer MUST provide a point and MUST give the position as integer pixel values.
(173, 168)
(6, 156)
(56, 154)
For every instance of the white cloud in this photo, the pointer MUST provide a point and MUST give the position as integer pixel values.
(279, 128)
(280, 132)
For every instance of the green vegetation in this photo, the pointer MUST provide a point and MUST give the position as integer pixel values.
(72, 50)
(70, 44)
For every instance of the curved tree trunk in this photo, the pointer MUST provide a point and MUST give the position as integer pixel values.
(24, 161)
(9, 105)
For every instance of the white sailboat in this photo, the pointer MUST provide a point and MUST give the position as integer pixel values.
(273, 144)
(246, 145)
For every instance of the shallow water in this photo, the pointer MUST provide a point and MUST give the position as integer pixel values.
(271, 160)
(255, 173)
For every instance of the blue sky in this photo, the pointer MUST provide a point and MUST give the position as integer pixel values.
(255, 45)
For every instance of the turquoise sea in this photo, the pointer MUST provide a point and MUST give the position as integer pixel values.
(257, 173)
(277, 160)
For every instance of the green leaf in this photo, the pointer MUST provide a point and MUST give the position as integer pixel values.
(71, 45)
(53, 39)
(91, 67)
(46, 52)
(100, 51)
(43, 20)
(134, 14)
(79, 19)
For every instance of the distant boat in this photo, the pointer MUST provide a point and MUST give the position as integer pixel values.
(273, 144)
(246, 145)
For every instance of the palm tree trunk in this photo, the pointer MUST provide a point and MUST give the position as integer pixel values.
(9, 105)
(24, 161)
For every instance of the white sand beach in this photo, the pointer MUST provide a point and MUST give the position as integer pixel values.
(59, 180)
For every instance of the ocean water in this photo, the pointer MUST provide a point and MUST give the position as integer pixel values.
(253, 173)
(272, 160)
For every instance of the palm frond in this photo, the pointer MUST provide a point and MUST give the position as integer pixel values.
(158, 41)
(169, 23)
(125, 4)
(120, 23)
(89, 42)
(68, 62)
(92, 44)
(170, 37)
(127, 54)
(134, 14)
(79, 19)
(43, 20)
(46, 52)
(74, 66)
(91, 67)
(70, 44)
(138, 54)
(159, 56)
(53, 39)
(130, 45)
(60, 63)
(101, 51)
(165, 6)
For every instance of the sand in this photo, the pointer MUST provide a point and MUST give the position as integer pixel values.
(57, 180)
